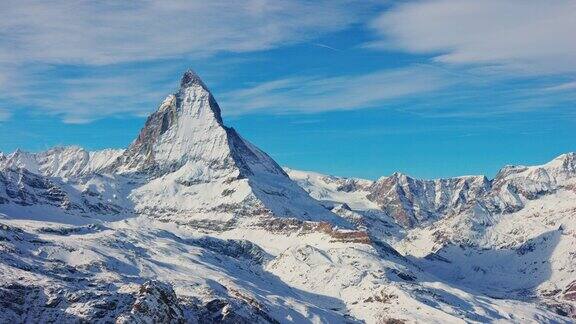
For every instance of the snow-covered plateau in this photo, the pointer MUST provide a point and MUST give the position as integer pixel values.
(193, 224)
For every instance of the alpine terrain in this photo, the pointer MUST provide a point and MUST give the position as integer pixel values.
(193, 224)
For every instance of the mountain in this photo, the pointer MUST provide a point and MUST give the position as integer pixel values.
(515, 232)
(185, 166)
(192, 223)
(185, 151)
(63, 162)
(412, 202)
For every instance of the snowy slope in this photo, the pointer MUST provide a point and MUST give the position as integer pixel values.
(509, 237)
(96, 272)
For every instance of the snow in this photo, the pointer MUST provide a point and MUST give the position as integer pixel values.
(327, 188)
(192, 222)
(512, 239)
(311, 279)
(62, 162)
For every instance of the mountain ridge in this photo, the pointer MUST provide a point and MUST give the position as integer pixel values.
(394, 192)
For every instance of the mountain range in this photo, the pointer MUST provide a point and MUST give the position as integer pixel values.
(194, 224)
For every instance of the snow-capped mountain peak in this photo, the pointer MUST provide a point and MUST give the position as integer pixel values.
(187, 126)
(65, 162)
(191, 78)
(185, 150)
(532, 181)
(22, 159)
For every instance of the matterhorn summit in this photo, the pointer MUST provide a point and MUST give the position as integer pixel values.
(200, 171)
(186, 128)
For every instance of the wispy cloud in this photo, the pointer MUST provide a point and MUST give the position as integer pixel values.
(88, 94)
(326, 46)
(111, 49)
(534, 37)
(429, 91)
(102, 32)
(106, 40)
(563, 87)
(313, 94)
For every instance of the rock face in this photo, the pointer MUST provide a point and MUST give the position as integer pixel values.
(411, 202)
(25, 188)
(155, 302)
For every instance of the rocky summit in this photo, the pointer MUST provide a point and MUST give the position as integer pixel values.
(194, 224)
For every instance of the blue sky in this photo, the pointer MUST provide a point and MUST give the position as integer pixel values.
(356, 88)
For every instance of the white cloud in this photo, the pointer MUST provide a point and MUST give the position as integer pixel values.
(563, 87)
(87, 97)
(503, 37)
(110, 36)
(317, 94)
(429, 91)
(102, 32)
(528, 36)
